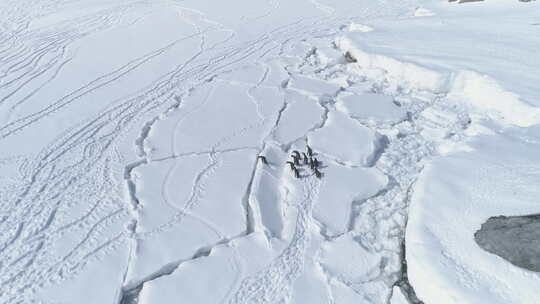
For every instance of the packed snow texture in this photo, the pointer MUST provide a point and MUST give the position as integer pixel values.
(144, 149)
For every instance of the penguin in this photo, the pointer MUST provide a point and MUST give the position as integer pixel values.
(306, 159)
(263, 159)
(311, 164)
(318, 173)
(291, 164)
(349, 58)
(309, 151)
(296, 173)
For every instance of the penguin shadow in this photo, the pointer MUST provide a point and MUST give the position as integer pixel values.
(309, 173)
(311, 169)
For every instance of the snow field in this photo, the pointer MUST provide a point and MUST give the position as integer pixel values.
(314, 220)
(129, 159)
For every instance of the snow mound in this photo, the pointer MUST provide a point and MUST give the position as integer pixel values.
(487, 96)
(423, 12)
(481, 93)
(404, 74)
(356, 27)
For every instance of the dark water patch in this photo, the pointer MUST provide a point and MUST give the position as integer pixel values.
(513, 238)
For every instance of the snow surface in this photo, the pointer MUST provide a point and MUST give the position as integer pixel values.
(132, 131)
(398, 297)
(346, 141)
(371, 107)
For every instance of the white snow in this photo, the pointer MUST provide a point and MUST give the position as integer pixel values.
(345, 140)
(300, 115)
(370, 106)
(265, 198)
(347, 259)
(313, 86)
(341, 188)
(311, 286)
(219, 271)
(398, 297)
(75, 290)
(423, 12)
(484, 93)
(355, 27)
(448, 207)
(143, 150)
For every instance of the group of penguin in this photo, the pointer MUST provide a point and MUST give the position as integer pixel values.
(298, 160)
